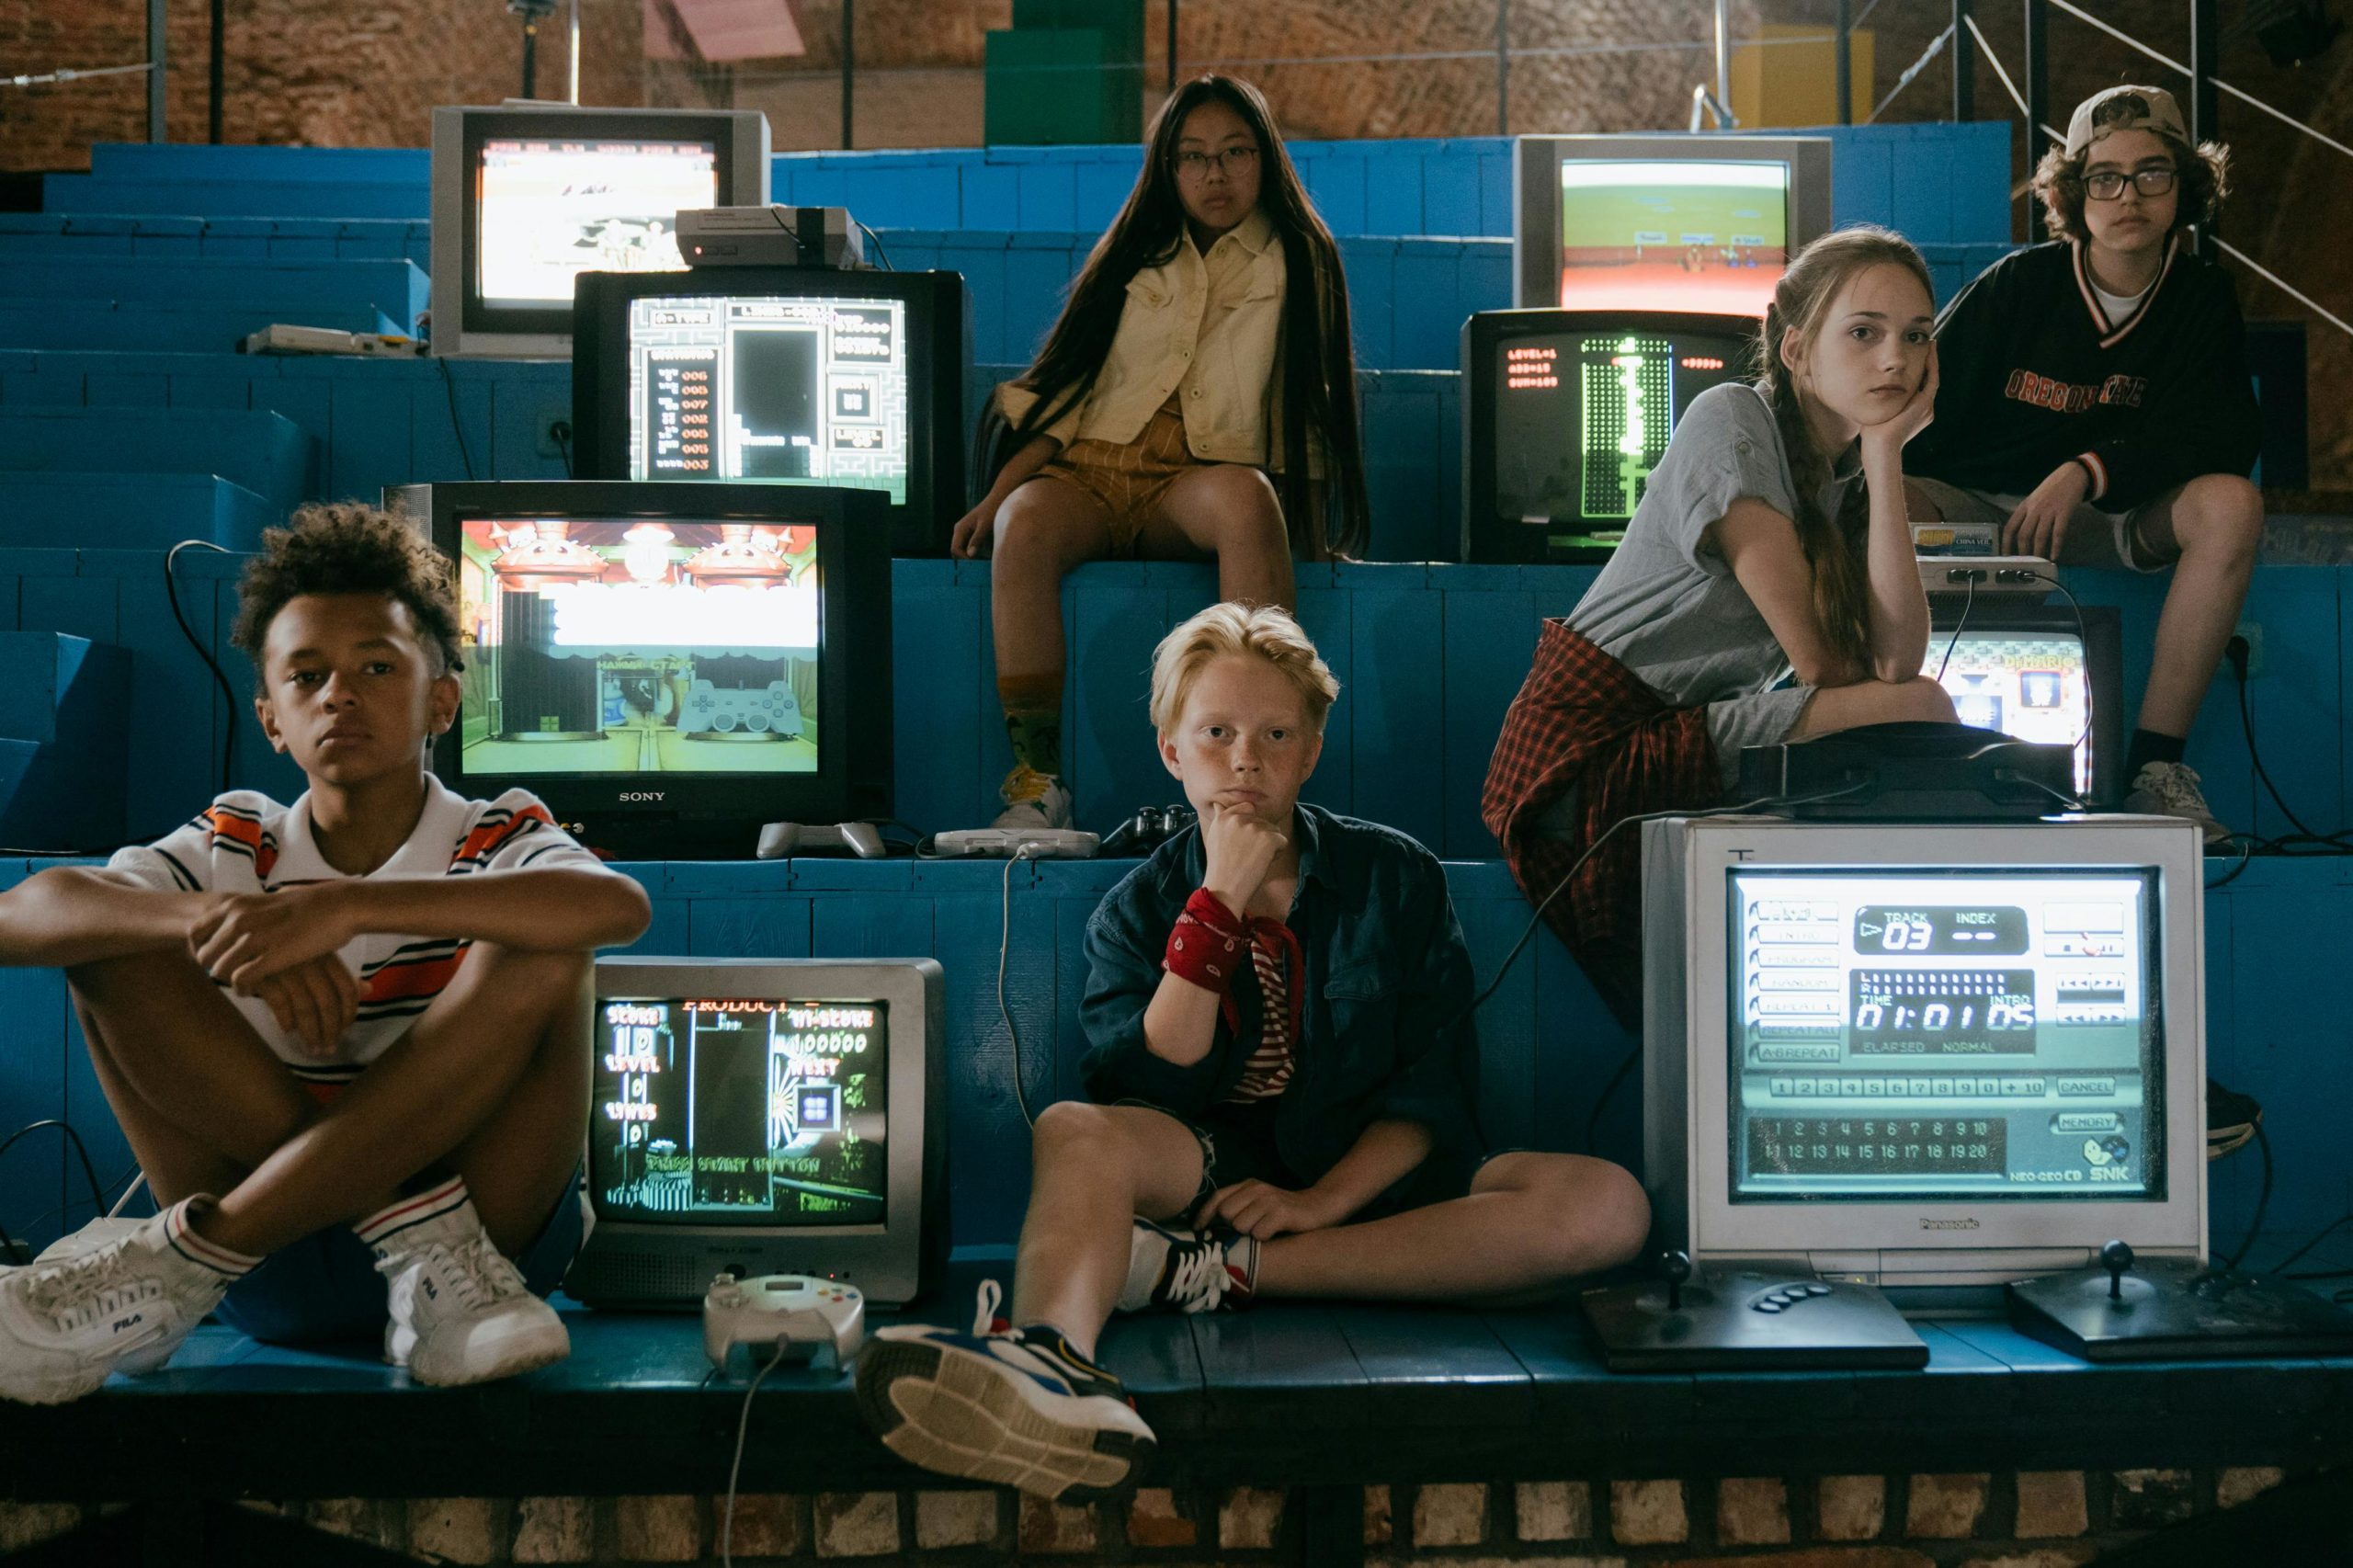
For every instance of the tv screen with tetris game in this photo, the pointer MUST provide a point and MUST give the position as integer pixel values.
(1698, 223)
(778, 375)
(1567, 411)
(763, 1115)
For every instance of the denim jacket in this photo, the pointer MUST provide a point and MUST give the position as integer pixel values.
(1385, 1033)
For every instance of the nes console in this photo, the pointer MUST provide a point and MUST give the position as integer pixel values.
(770, 236)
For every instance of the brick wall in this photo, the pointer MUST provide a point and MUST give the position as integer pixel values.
(2024, 1519)
(357, 74)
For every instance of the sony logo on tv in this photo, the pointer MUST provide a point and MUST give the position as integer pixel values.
(629, 795)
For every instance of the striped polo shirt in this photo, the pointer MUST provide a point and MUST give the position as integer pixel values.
(245, 842)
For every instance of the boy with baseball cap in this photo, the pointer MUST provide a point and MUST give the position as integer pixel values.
(2096, 403)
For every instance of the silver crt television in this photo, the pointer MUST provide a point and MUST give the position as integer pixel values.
(763, 1115)
(1925, 1055)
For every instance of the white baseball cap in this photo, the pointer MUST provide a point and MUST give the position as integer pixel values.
(2124, 108)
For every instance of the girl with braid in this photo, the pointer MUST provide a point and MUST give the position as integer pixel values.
(1767, 589)
(1196, 401)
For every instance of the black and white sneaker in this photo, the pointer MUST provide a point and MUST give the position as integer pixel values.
(1017, 1407)
(1189, 1271)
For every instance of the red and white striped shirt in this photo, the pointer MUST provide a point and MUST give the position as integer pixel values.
(245, 842)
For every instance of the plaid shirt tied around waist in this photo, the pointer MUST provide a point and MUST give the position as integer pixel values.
(1583, 719)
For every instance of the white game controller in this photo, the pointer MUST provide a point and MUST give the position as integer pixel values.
(802, 1313)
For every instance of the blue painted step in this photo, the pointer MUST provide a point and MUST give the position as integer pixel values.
(77, 235)
(262, 451)
(64, 706)
(116, 325)
(292, 286)
(130, 511)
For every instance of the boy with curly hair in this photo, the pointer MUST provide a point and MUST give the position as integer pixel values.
(346, 1038)
(2096, 404)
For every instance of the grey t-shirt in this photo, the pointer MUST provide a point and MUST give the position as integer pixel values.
(1668, 606)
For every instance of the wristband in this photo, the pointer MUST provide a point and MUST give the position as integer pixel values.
(1208, 944)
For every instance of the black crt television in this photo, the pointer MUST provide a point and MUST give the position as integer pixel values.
(787, 375)
(2048, 673)
(764, 1115)
(668, 666)
(524, 196)
(1564, 414)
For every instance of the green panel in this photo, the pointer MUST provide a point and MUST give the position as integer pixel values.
(1052, 86)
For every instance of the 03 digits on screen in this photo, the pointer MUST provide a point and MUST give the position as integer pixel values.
(1944, 1035)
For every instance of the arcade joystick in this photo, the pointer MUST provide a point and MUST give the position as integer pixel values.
(1743, 1319)
(1677, 1268)
(2123, 1311)
(2117, 1259)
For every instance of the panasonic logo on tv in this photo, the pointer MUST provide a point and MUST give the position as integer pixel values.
(1948, 1224)
(628, 795)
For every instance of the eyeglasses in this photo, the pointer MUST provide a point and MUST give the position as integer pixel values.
(1232, 160)
(2108, 187)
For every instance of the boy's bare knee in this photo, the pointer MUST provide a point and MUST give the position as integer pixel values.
(134, 974)
(1618, 1213)
(1071, 1128)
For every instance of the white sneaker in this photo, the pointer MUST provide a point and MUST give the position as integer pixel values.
(2172, 790)
(122, 1305)
(1189, 1271)
(1000, 1406)
(1033, 800)
(460, 1312)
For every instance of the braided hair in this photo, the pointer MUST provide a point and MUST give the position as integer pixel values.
(1834, 546)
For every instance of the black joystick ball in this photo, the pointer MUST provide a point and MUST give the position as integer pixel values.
(1677, 1268)
(2117, 1259)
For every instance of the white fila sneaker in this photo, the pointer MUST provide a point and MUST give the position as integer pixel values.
(121, 1306)
(460, 1312)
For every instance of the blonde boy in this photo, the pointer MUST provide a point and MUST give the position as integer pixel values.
(1282, 1067)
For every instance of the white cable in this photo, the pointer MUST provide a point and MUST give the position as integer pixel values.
(1004, 946)
(127, 1193)
(1996, 62)
(734, 1467)
(1912, 72)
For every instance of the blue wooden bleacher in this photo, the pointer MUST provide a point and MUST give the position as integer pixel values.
(126, 423)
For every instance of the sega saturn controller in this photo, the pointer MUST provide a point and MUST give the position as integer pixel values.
(793, 1313)
(779, 839)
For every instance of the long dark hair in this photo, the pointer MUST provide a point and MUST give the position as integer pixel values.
(1318, 390)
(1834, 546)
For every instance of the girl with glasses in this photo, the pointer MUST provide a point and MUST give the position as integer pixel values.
(2097, 406)
(1196, 401)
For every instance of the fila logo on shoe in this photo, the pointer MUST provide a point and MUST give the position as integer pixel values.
(133, 1320)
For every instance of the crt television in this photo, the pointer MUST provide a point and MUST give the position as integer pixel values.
(793, 375)
(1642, 222)
(1566, 413)
(763, 1115)
(1931, 1055)
(668, 666)
(2043, 673)
(526, 197)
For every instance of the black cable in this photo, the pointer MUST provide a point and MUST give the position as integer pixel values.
(2233, 874)
(457, 428)
(220, 676)
(2279, 1269)
(2084, 642)
(89, 1171)
(66, 1207)
(2247, 727)
(878, 245)
(2262, 1200)
(560, 432)
(1967, 605)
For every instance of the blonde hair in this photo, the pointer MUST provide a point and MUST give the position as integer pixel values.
(1834, 546)
(1261, 632)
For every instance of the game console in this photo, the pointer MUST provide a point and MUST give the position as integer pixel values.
(1913, 770)
(2172, 1308)
(278, 338)
(779, 839)
(1029, 843)
(770, 236)
(796, 1314)
(2012, 576)
(727, 712)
